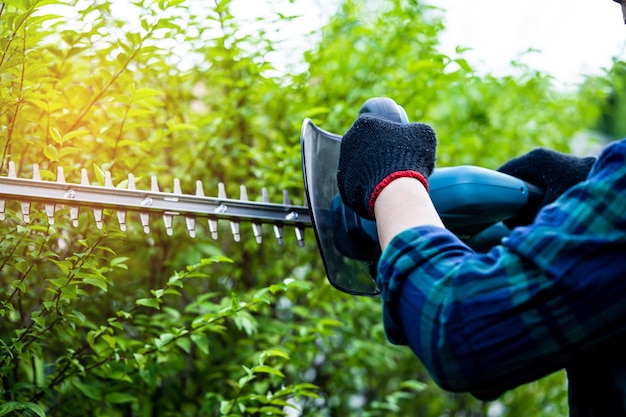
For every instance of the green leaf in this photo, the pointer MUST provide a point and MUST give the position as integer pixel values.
(163, 340)
(184, 344)
(275, 352)
(111, 341)
(175, 281)
(90, 391)
(215, 259)
(306, 386)
(68, 150)
(269, 410)
(119, 398)
(225, 407)
(74, 134)
(201, 341)
(413, 385)
(175, 127)
(51, 153)
(96, 282)
(11, 406)
(99, 172)
(55, 135)
(149, 302)
(140, 359)
(274, 288)
(119, 262)
(267, 370)
(326, 322)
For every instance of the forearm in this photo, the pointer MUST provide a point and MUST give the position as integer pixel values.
(487, 322)
(401, 205)
(526, 308)
(431, 311)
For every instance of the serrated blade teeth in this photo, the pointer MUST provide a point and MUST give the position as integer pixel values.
(57, 194)
(212, 222)
(97, 211)
(97, 215)
(131, 182)
(223, 208)
(167, 222)
(69, 194)
(12, 173)
(234, 228)
(121, 214)
(108, 182)
(256, 226)
(200, 193)
(84, 177)
(74, 215)
(300, 235)
(213, 228)
(258, 235)
(199, 189)
(50, 208)
(144, 217)
(167, 217)
(74, 210)
(25, 211)
(145, 222)
(278, 230)
(190, 221)
(121, 220)
(177, 189)
(293, 216)
(36, 177)
(60, 175)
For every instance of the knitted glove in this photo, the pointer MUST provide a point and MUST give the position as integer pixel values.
(549, 170)
(376, 151)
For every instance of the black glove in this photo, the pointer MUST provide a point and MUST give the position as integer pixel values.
(375, 151)
(549, 170)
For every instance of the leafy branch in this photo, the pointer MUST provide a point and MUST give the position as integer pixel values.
(18, 101)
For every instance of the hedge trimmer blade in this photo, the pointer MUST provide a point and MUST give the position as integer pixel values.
(149, 203)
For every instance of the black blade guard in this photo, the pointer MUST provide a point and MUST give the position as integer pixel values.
(348, 244)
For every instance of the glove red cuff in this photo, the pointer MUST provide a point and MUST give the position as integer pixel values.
(388, 179)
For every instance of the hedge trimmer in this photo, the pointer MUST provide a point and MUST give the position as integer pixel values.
(471, 201)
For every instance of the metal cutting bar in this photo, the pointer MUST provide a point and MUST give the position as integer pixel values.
(20, 189)
(59, 193)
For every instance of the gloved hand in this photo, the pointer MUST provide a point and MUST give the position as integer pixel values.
(375, 151)
(552, 171)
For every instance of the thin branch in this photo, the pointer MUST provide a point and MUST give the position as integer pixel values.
(30, 266)
(14, 34)
(98, 96)
(7, 145)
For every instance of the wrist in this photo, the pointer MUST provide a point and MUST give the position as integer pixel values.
(389, 179)
(403, 204)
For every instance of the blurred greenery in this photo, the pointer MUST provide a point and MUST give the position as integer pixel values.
(103, 323)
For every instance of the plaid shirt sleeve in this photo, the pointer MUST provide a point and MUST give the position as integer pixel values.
(486, 323)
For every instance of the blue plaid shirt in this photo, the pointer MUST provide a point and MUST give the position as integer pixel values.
(551, 296)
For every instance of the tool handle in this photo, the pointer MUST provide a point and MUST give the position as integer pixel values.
(470, 200)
